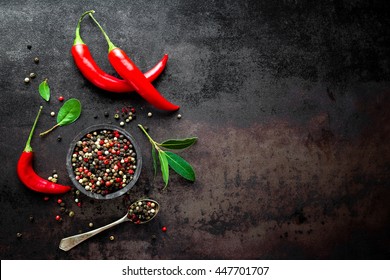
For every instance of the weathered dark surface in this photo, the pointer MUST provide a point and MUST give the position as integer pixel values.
(289, 99)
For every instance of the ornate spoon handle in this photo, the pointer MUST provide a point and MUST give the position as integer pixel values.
(69, 242)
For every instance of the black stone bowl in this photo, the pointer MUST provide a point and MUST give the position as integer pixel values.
(119, 192)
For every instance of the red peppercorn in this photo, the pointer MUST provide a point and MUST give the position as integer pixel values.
(164, 229)
(46, 198)
(108, 183)
(58, 217)
(79, 204)
(59, 201)
(61, 98)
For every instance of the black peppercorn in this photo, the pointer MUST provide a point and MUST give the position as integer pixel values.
(36, 60)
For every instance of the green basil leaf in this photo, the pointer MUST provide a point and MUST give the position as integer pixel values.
(69, 112)
(154, 156)
(44, 90)
(178, 144)
(180, 166)
(164, 166)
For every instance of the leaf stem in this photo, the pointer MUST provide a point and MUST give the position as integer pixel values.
(154, 143)
(49, 130)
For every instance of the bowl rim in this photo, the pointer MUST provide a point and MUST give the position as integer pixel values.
(91, 129)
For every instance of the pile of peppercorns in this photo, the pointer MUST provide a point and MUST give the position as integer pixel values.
(142, 211)
(104, 161)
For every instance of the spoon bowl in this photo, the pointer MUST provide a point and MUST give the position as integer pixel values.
(135, 214)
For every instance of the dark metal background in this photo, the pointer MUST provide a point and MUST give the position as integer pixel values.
(289, 99)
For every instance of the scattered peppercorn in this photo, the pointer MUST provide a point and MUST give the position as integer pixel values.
(95, 117)
(90, 224)
(179, 116)
(18, 235)
(58, 217)
(150, 114)
(106, 114)
(45, 198)
(33, 75)
(61, 98)
(31, 218)
(29, 47)
(121, 123)
(26, 80)
(52, 114)
(36, 60)
(59, 139)
(116, 116)
(112, 237)
(71, 214)
(164, 229)
(59, 201)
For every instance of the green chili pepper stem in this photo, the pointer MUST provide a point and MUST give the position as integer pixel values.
(77, 39)
(28, 147)
(111, 46)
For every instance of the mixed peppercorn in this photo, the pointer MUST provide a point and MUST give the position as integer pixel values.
(142, 211)
(104, 161)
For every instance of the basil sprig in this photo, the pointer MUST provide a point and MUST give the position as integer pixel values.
(168, 159)
(68, 113)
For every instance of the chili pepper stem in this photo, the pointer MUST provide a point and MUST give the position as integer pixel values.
(28, 148)
(111, 46)
(49, 130)
(77, 39)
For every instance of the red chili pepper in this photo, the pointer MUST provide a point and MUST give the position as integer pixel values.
(27, 174)
(88, 67)
(130, 73)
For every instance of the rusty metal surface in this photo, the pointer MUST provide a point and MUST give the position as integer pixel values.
(290, 101)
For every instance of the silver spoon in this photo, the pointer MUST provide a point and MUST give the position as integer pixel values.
(131, 216)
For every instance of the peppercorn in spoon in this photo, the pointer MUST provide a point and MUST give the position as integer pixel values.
(139, 212)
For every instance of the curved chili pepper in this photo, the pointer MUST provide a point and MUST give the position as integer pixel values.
(27, 174)
(88, 67)
(130, 73)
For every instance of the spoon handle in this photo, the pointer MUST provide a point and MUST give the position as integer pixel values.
(69, 242)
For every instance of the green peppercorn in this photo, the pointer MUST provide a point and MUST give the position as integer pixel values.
(116, 116)
(71, 214)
